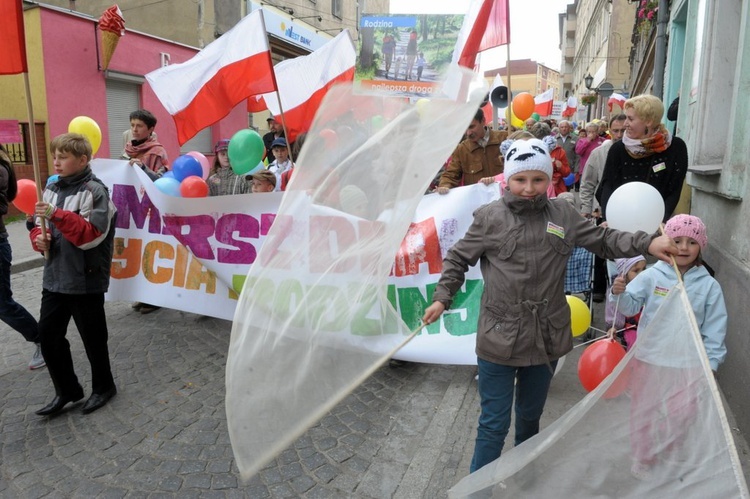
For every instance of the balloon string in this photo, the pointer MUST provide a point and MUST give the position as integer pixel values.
(602, 337)
(671, 257)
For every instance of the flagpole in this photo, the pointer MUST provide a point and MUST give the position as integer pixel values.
(34, 152)
(278, 96)
(510, 92)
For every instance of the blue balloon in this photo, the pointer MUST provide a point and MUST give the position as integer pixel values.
(169, 186)
(257, 168)
(168, 174)
(185, 166)
(570, 179)
(52, 179)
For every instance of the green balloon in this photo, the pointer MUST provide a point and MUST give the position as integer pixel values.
(245, 151)
(535, 116)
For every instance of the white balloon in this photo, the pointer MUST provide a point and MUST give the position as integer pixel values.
(635, 206)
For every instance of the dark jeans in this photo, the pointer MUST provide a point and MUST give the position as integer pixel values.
(87, 312)
(11, 312)
(496, 387)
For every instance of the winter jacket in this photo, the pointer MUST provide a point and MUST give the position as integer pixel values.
(649, 289)
(471, 162)
(82, 229)
(523, 246)
(559, 174)
(225, 182)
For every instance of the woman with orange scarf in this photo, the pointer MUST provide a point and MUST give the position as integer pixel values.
(647, 153)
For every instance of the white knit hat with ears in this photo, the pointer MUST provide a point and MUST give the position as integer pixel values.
(527, 155)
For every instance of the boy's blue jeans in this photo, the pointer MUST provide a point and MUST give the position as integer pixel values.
(11, 312)
(496, 386)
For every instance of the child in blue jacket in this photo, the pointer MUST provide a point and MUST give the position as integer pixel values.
(665, 389)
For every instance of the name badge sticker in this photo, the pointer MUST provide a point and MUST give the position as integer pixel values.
(660, 291)
(556, 230)
(659, 167)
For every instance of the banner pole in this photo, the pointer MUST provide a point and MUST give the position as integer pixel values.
(35, 153)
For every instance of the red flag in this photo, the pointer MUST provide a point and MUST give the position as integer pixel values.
(543, 102)
(203, 90)
(486, 25)
(12, 40)
(570, 107)
(305, 80)
(616, 99)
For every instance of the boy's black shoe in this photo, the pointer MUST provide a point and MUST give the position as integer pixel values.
(98, 400)
(58, 403)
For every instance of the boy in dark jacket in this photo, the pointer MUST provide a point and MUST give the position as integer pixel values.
(522, 243)
(80, 221)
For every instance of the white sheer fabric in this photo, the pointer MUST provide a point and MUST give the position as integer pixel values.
(313, 320)
(666, 435)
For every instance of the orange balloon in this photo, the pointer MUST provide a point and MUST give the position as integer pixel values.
(523, 106)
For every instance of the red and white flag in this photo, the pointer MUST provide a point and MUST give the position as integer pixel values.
(305, 80)
(543, 102)
(616, 99)
(486, 25)
(203, 90)
(570, 107)
(12, 40)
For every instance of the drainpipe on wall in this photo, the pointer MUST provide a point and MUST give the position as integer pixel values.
(660, 56)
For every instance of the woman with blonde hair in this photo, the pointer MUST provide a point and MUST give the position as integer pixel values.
(647, 153)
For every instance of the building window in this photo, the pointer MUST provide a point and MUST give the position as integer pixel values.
(336, 8)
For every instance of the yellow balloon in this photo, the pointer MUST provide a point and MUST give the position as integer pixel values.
(580, 315)
(421, 106)
(89, 129)
(512, 118)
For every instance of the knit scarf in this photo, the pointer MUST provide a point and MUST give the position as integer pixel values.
(659, 141)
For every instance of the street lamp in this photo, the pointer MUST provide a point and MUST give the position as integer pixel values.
(588, 81)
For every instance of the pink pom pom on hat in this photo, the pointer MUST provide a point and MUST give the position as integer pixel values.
(687, 225)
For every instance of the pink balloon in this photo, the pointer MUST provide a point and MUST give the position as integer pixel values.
(203, 161)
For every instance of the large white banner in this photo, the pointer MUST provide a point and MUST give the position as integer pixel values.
(194, 254)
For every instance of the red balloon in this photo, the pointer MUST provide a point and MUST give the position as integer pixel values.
(26, 196)
(597, 362)
(330, 138)
(523, 106)
(193, 187)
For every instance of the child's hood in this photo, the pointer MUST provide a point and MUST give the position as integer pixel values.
(697, 273)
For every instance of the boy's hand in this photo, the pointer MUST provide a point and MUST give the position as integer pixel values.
(433, 312)
(618, 285)
(44, 210)
(487, 180)
(443, 190)
(662, 247)
(42, 242)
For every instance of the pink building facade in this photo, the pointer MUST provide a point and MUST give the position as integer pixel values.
(75, 85)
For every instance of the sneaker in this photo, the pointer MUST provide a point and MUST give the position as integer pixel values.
(37, 360)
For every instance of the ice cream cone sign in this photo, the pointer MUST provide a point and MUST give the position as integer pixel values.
(111, 27)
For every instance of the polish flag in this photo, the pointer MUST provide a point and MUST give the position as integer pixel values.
(305, 80)
(570, 107)
(543, 102)
(12, 40)
(203, 90)
(486, 25)
(617, 99)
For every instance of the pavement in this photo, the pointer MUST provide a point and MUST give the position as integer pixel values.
(406, 432)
